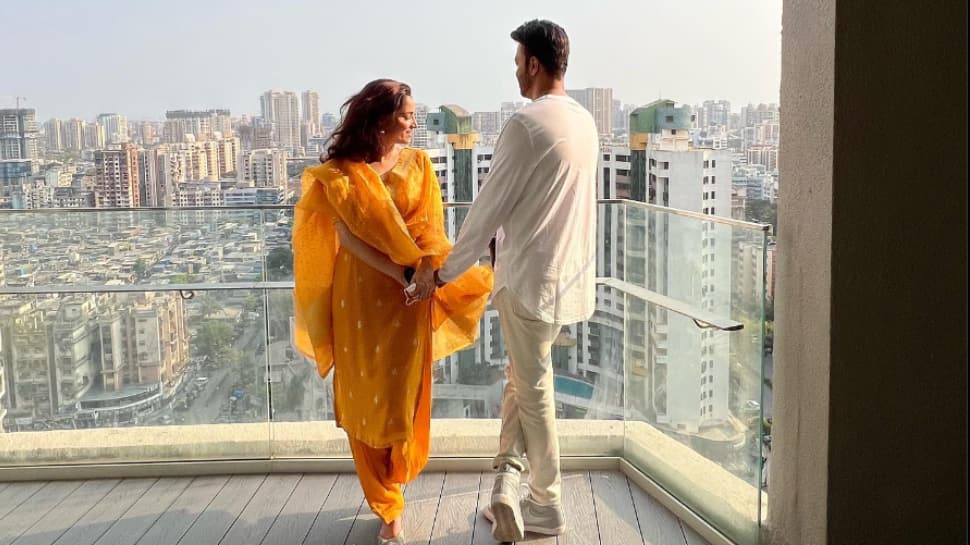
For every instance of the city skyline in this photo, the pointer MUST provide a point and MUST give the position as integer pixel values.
(732, 52)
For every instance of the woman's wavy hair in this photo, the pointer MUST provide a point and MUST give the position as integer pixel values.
(357, 137)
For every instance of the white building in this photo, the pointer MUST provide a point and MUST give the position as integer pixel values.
(599, 102)
(281, 110)
(310, 117)
(115, 128)
(262, 168)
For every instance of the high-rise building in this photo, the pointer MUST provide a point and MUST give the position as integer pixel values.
(507, 110)
(151, 192)
(117, 177)
(763, 155)
(94, 136)
(198, 194)
(310, 116)
(487, 122)
(715, 112)
(18, 134)
(420, 137)
(196, 126)
(262, 168)
(328, 122)
(74, 133)
(115, 128)
(455, 123)
(281, 110)
(686, 375)
(756, 115)
(14, 173)
(54, 131)
(599, 102)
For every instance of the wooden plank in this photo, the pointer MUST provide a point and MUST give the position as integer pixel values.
(337, 515)
(421, 499)
(222, 512)
(105, 513)
(365, 528)
(293, 523)
(33, 509)
(254, 522)
(615, 515)
(482, 529)
(145, 512)
(577, 502)
(49, 529)
(692, 537)
(658, 526)
(181, 514)
(17, 493)
(458, 510)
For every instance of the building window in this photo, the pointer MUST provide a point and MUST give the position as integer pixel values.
(712, 213)
(713, 180)
(673, 131)
(606, 156)
(704, 379)
(713, 163)
(706, 211)
(712, 194)
(705, 195)
(706, 179)
(707, 164)
(669, 118)
(666, 165)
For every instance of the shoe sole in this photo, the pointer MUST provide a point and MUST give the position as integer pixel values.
(546, 531)
(507, 524)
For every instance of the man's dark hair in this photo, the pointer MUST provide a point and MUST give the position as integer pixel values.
(547, 42)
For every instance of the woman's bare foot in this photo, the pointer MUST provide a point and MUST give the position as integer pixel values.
(390, 530)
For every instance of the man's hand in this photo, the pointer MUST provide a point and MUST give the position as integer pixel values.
(423, 281)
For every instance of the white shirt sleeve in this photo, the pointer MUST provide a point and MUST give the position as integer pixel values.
(513, 162)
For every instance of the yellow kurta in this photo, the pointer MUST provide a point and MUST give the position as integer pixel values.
(351, 317)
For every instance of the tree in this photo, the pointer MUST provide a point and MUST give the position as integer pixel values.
(279, 264)
(208, 306)
(213, 341)
(140, 268)
(763, 212)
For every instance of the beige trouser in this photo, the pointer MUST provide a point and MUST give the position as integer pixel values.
(528, 403)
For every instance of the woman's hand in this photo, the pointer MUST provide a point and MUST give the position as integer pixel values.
(423, 280)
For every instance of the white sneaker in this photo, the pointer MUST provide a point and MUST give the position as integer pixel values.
(505, 512)
(539, 519)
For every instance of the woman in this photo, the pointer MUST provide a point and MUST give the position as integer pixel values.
(369, 223)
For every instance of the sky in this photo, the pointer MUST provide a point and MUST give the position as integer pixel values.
(80, 58)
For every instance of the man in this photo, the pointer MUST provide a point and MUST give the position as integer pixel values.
(541, 200)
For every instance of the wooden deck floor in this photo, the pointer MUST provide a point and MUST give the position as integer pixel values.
(602, 507)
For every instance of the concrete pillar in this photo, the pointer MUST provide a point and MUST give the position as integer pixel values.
(870, 385)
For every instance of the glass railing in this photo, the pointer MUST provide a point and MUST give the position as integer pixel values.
(160, 335)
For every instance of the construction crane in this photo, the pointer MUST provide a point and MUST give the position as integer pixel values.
(16, 100)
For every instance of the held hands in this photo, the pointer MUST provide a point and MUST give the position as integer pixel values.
(422, 283)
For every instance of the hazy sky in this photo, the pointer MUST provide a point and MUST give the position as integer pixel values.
(140, 58)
